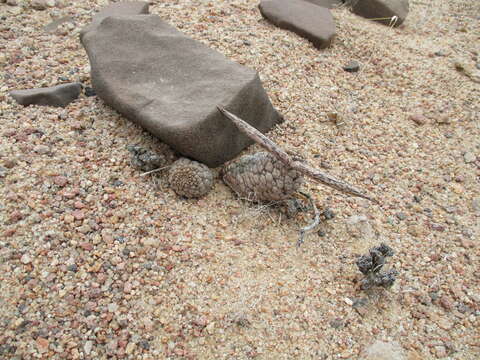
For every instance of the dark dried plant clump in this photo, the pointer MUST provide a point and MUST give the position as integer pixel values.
(190, 178)
(371, 266)
(144, 159)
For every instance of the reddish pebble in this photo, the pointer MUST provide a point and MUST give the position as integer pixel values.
(467, 243)
(446, 303)
(60, 181)
(15, 217)
(69, 194)
(418, 119)
(437, 227)
(9, 232)
(86, 246)
(78, 215)
(42, 344)
(79, 205)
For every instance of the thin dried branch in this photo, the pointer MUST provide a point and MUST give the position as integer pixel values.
(313, 224)
(154, 170)
(300, 166)
(257, 136)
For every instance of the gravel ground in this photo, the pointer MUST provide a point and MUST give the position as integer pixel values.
(97, 262)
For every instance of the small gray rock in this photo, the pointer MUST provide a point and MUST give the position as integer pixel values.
(3, 172)
(441, 53)
(358, 226)
(41, 149)
(352, 66)
(42, 4)
(56, 23)
(380, 350)
(383, 10)
(469, 157)
(60, 95)
(476, 204)
(401, 216)
(310, 21)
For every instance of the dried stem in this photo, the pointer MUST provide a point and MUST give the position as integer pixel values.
(300, 166)
(154, 170)
(312, 225)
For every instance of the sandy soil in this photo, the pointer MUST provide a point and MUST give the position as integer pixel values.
(97, 262)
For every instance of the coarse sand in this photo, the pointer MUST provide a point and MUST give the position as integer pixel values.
(98, 262)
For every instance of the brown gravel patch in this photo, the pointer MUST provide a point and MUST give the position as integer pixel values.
(96, 261)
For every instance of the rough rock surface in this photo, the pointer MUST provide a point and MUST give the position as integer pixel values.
(261, 177)
(60, 95)
(326, 3)
(170, 85)
(373, 9)
(123, 8)
(312, 22)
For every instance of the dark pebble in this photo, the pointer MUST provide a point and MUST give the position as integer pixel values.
(321, 233)
(352, 66)
(464, 309)
(401, 216)
(117, 183)
(438, 227)
(7, 349)
(325, 165)
(433, 295)
(120, 239)
(3, 172)
(329, 214)
(144, 344)
(337, 323)
(89, 91)
(73, 268)
(360, 302)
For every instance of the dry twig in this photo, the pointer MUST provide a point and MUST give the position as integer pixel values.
(313, 224)
(154, 171)
(294, 163)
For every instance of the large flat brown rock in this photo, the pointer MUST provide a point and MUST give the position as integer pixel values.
(171, 85)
